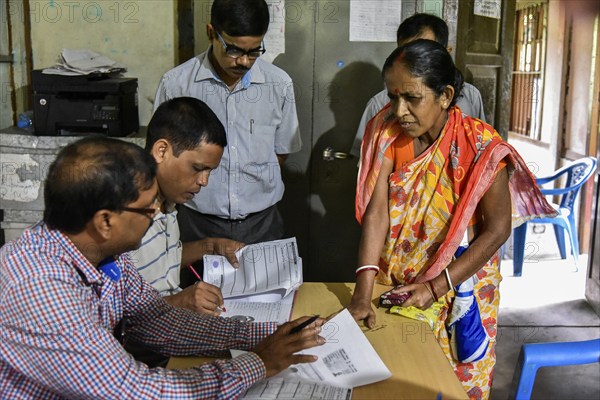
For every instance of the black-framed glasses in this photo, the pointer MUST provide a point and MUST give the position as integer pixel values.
(235, 52)
(149, 212)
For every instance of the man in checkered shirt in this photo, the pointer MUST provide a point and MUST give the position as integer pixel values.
(68, 298)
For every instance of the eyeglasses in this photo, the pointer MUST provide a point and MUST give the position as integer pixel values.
(235, 52)
(149, 212)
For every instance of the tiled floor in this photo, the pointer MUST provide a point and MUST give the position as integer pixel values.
(546, 304)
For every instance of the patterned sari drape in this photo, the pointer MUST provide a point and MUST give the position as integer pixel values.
(433, 203)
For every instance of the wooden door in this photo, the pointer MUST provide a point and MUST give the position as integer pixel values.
(333, 80)
(484, 49)
(319, 201)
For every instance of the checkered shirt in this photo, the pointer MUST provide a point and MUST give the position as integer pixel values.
(58, 316)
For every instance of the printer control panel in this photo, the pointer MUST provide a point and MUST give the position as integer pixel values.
(103, 112)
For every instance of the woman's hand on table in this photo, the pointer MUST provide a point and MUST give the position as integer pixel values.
(278, 350)
(362, 310)
(420, 296)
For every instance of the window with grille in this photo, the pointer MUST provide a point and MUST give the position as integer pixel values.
(528, 77)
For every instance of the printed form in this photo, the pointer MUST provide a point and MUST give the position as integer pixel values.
(262, 288)
(283, 389)
(260, 308)
(286, 385)
(347, 359)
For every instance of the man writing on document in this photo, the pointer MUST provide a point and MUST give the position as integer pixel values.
(186, 139)
(254, 100)
(70, 297)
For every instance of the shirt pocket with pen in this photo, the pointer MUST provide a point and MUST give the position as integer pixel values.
(261, 144)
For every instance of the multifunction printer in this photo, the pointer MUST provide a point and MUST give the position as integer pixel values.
(84, 104)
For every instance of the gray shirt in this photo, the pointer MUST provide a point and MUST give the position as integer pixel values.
(259, 116)
(469, 102)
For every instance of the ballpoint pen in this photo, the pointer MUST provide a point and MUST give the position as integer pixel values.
(219, 308)
(303, 325)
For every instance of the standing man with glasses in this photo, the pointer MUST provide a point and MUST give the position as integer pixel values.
(254, 100)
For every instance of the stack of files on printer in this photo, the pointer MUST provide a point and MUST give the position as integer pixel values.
(73, 62)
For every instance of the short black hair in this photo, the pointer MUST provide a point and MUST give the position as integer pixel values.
(414, 25)
(185, 122)
(431, 62)
(240, 17)
(93, 174)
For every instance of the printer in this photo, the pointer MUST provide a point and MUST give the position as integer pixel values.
(84, 104)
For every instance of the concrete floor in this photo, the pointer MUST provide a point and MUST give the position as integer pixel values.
(546, 304)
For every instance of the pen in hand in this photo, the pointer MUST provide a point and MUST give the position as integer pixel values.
(219, 308)
(303, 325)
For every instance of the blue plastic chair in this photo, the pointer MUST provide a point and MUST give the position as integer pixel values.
(536, 355)
(577, 173)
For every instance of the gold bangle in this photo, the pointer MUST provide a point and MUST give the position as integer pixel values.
(432, 290)
(429, 290)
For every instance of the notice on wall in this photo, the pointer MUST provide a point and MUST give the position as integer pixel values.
(275, 37)
(488, 8)
(20, 178)
(374, 20)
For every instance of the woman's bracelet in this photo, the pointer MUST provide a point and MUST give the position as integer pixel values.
(429, 290)
(448, 279)
(432, 291)
(367, 268)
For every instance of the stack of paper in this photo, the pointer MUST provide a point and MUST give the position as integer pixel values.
(345, 361)
(282, 389)
(83, 62)
(263, 286)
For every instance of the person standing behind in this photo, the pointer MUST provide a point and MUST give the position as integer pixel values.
(420, 26)
(70, 297)
(254, 100)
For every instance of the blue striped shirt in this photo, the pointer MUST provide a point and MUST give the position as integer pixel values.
(58, 314)
(158, 259)
(260, 119)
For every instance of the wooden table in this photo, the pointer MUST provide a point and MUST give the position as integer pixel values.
(407, 347)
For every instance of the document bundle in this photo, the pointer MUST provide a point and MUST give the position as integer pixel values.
(262, 288)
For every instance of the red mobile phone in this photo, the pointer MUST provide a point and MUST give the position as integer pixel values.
(389, 299)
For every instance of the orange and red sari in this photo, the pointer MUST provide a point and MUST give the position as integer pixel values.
(432, 206)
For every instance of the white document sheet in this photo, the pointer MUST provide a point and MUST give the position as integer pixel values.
(287, 386)
(374, 20)
(268, 307)
(347, 359)
(275, 36)
(264, 267)
(283, 389)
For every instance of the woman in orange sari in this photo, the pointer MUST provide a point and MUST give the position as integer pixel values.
(430, 177)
